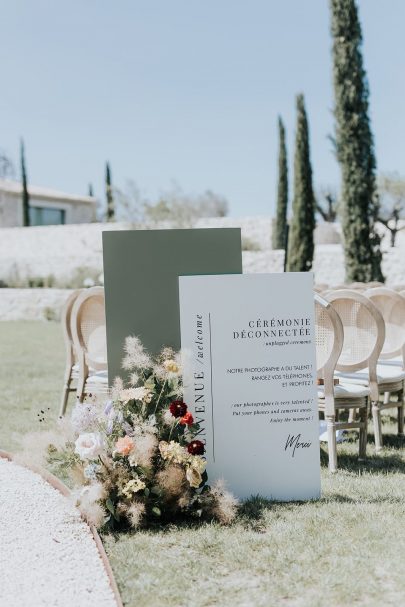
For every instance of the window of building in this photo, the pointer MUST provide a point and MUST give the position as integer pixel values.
(46, 216)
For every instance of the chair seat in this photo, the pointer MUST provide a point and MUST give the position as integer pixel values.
(99, 377)
(346, 391)
(386, 374)
(398, 361)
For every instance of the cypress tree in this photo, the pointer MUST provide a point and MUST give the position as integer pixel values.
(280, 227)
(109, 194)
(301, 234)
(355, 146)
(91, 193)
(25, 194)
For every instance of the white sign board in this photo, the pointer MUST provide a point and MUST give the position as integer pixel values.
(250, 380)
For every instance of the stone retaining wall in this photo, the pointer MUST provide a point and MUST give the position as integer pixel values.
(71, 254)
(32, 304)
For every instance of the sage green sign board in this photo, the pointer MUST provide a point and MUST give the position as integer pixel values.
(141, 273)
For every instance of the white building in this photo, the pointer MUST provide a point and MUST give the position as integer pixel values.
(47, 207)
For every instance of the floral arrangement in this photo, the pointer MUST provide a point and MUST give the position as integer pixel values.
(136, 458)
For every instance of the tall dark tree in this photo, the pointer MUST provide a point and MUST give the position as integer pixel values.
(91, 192)
(280, 227)
(355, 146)
(301, 234)
(109, 194)
(25, 194)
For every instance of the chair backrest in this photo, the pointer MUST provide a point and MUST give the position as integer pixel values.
(88, 327)
(363, 331)
(328, 336)
(66, 316)
(392, 308)
(320, 286)
(329, 343)
(358, 286)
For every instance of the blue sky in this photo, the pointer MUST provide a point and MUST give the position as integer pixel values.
(186, 91)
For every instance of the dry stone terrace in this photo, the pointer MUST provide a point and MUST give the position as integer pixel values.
(61, 255)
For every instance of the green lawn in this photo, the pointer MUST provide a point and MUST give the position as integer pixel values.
(346, 549)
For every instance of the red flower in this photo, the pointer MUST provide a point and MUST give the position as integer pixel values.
(187, 419)
(196, 447)
(178, 408)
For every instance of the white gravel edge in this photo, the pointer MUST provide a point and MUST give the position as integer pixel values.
(48, 556)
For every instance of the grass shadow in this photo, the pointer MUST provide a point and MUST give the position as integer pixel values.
(251, 512)
(344, 499)
(392, 441)
(379, 463)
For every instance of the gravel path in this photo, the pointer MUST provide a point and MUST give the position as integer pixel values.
(48, 556)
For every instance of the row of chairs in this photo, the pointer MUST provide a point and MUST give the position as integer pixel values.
(84, 331)
(360, 343)
(360, 351)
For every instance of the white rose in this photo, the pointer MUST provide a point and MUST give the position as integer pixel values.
(194, 477)
(89, 445)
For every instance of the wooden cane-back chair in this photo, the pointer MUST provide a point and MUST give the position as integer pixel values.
(71, 368)
(329, 338)
(89, 337)
(364, 335)
(320, 287)
(392, 307)
(358, 286)
(392, 358)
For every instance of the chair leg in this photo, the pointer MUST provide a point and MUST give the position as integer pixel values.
(83, 375)
(376, 411)
(363, 434)
(401, 413)
(80, 390)
(65, 393)
(331, 430)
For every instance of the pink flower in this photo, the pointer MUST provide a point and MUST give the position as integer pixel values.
(124, 445)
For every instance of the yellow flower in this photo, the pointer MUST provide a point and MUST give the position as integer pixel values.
(171, 366)
(133, 486)
(173, 452)
(197, 463)
(141, 393)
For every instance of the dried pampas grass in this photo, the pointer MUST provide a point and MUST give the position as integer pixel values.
(135, 514)
(144, 449)
(87, 500)
(225, 504)
(34, 446)
(172, 480)
(136, 357)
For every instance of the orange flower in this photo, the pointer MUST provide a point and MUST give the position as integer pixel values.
(187, 419)
(124, 445)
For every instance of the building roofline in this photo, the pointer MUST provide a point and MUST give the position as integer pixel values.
(15, 188)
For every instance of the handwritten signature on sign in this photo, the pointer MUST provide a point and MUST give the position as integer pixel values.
(293, 443)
